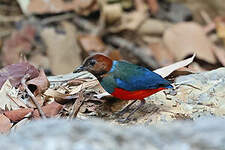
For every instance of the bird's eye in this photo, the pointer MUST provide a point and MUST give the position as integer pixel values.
(92, 62)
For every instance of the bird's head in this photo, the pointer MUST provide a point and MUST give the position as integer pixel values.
(97, 64)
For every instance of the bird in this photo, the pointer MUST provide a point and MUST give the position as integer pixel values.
(124, 80)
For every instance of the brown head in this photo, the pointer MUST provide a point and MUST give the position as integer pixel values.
(97, 64)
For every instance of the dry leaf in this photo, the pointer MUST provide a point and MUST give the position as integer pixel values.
(153, 26)
(153, 6)
(6, 101)
(5, 124)
(184, 39)
(220, 54)
(19, 124)
(50, 110)
(39, 84)
(165, 71)
(40, 61)
(130, 21)
(61, 47)
(19, 42)
(161, 54)
(112, 12)
(19, 114)
(15, 73)
(60, 97)
(91, 43)
(56, 6)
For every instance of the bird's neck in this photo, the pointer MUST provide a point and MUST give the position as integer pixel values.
(101, 75)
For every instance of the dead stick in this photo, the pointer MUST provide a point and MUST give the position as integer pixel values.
(23, 82)
(77, 104)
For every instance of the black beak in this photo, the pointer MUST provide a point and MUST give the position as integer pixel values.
(79, 69)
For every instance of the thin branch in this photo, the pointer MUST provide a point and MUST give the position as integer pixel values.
(57, 18)
(23, 82)
(77, 104)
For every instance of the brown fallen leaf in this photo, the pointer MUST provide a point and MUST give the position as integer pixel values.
(40, 61)
(5, 124)
(61, 47)
(50, 110)
(91, 43)
(165, 71)
(161, 54)
(153, 6)
(56, 6)
(19, 42)
(220, 54)
(183, 39)
(39, 84)
(15, 73)
(19, 114)
(60, 97)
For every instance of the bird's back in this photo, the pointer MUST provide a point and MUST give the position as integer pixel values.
(132, 77)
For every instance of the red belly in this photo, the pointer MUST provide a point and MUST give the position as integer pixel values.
(134, 95)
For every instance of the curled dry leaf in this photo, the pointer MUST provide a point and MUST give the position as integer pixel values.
(165, 71)
(20, 124)
(5, 124)
(39, 84)
(50, 110)
(60, 97)
(5, 100)
(183, 39)
(19, 114)
(91, 43)
(15, 73)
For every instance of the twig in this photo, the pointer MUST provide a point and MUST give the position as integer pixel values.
(70, 76)
(77, 104)
(23, 82)
(57, 18)
(6, 19)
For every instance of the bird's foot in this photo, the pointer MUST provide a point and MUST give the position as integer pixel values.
(124, 110)
(124, 120)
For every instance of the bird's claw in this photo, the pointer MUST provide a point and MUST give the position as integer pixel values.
(124, 120)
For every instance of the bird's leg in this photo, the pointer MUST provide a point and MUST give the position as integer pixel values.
(124, 110)
(138, 107)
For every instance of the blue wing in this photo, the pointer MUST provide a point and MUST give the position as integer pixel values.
(132, 77)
